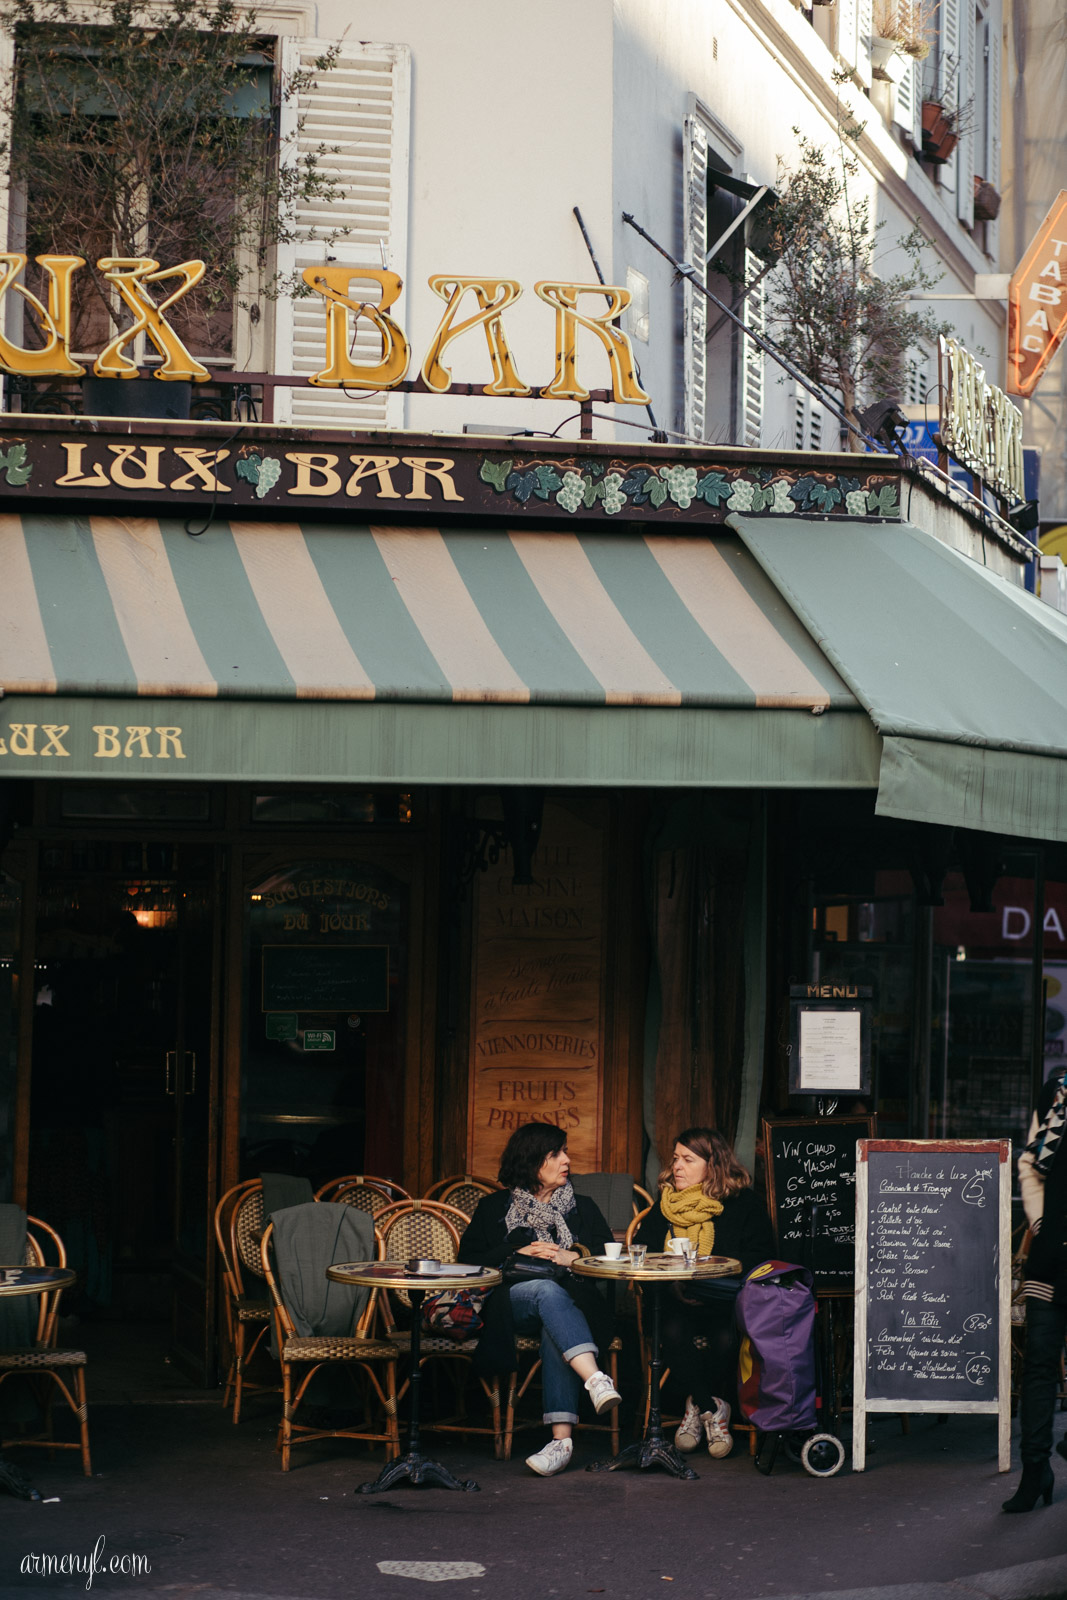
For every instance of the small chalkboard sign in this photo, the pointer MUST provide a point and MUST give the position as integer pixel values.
(811, 1194)
(325, 977)
(933, 1281)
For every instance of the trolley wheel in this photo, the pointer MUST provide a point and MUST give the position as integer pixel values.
(823, 1455)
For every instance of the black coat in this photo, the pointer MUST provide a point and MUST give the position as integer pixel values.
(1047, 1262)
(743, 1230)
(487, 1243)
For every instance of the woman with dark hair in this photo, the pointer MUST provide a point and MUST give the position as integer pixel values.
(537, 1225)
(706, 1195)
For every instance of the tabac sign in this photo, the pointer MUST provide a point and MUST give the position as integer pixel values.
(979, 425)
(134, 279)
(1037, 301)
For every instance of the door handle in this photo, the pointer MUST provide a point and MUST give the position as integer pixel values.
(190, 1067)
(171, 1061)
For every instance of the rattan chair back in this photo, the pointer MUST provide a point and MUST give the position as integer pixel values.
(368, 1194)
(463, 1190)
(246, 1227)
(423, 1230)
(44, 1248)
(642, 1198)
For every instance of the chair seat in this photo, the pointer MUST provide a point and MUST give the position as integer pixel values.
(249, 1309)
(42, 1358)
(525, 1342)
(435, 1344)
(337, 1347)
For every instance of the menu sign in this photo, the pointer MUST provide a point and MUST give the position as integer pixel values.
(537, 1026)
(933, 1268)
(811, 1194)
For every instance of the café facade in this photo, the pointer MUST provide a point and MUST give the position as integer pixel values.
(363, 796)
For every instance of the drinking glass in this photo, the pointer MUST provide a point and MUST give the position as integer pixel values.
(637, 1254)
(690, 1249)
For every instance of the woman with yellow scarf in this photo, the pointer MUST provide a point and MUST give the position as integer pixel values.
(706, 1195)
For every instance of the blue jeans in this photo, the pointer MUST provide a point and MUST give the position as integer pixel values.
(544, 1307)
(1046, 1328)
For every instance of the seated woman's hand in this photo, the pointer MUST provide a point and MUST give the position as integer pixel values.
(542, 1248)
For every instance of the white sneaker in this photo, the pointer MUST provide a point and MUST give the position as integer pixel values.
(552, 1458)
(691, 1431)
(717, 1427)
(603, 1393)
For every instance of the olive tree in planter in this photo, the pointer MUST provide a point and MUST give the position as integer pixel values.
(152, 131)
(845, 322)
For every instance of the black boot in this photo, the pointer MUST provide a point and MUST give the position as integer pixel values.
(1036, 1484)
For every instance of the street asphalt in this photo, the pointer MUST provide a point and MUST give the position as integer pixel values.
(208, 1507)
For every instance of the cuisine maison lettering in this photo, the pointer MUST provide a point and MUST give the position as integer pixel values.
(131, 277)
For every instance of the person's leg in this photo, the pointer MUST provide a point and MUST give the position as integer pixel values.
(679, 1325)
(1046, 1326)
(719, 1327)
(544, 1307)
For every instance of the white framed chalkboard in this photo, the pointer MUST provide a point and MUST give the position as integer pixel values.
(933, 1282)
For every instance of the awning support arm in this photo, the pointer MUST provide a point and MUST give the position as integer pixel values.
(758, 339)
(736, 223)
(596, 268)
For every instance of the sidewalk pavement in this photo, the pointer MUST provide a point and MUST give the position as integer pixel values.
(208, 1507)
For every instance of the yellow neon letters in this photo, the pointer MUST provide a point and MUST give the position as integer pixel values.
(565, 385)
(129, 274)
(340, 370)
(54, 359)
(492, 295)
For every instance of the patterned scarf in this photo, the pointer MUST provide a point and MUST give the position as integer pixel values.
(691, 1214)
(545, 1217)
(1046, 1140)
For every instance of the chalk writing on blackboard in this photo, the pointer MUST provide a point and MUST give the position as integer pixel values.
(811, 1182)
(325, 977)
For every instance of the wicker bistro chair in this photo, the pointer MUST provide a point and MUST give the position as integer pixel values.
(430, 1230)
(526, 1345)
(315, 1351)
(369, 1194)
(463, 1190)
(45, 1360)
(238, 1225)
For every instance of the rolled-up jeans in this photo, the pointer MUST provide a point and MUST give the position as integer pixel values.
(1046, 1326)
(543, 1306)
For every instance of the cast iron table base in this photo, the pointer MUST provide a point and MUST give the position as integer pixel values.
(414, 1468)
(653, 1450)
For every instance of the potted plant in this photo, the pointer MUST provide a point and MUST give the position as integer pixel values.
(986, 200)
(845, 322)
(945, 119)
(900, 32)
(152, 133)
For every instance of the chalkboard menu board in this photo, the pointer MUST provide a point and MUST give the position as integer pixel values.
(933, 1269)
(325, 977)
(811, 1194)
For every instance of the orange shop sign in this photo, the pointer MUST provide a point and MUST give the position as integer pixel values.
(1037, 301)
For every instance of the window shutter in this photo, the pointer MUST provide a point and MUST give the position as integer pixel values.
(948, 75)
(695, 307)
(966, 79)
(847, 20)
(864, 29)
(992, 133)
(907, 105)
(360, 110)
(754, 315)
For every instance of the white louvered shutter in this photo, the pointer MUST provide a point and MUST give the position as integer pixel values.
(360, 110)
(864, 29)
(967, 87)
(992, 136)
(695, 307)
(847, 21)
(754, 314)
(948, 75)
(907, 105)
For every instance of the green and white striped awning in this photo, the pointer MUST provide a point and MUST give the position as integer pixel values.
(325, 652)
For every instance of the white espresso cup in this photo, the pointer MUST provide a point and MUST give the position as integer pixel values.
(613, 1252)
(677, 1247)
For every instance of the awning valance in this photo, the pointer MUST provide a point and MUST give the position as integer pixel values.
(458, 655)
(963, 674)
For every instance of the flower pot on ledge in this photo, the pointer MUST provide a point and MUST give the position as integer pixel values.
(939, 136)
(986, 201)
(887, 62)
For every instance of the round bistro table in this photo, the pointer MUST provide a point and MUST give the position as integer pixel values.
(413, 1468)
(29, 1280)
(653, 1450)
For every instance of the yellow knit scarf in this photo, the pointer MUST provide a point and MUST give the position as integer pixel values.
(691, 1214)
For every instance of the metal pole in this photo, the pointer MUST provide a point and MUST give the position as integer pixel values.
(600, 277)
